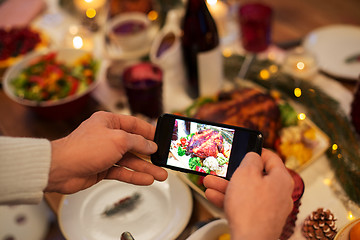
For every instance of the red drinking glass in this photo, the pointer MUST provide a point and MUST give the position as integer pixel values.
(143, 86)
(299, 188)
(255, 25)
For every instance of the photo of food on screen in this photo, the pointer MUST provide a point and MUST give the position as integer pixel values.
(200, 147)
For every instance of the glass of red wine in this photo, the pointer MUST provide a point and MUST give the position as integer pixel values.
(143, 83)
(255, 20)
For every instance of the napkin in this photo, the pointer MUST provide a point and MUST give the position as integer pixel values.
(19, 13)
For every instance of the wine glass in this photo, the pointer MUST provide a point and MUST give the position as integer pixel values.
(255, 26)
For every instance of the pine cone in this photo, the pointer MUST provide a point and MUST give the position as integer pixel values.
(320, 224)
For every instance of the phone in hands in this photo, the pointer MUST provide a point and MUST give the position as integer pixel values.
(201, 147)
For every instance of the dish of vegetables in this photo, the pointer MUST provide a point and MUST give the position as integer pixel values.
(48, 78)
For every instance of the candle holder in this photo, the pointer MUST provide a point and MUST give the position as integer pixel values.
(300, 63)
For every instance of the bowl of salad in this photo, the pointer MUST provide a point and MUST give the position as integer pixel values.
(53, 83)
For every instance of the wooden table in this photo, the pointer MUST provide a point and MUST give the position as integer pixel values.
(293, 20)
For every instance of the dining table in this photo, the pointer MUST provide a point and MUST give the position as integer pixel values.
(292, 21)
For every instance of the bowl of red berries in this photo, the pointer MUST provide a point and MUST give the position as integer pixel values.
(55, 83)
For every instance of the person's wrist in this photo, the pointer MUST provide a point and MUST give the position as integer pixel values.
(55, 172)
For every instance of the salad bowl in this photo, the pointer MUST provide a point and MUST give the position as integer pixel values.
(54, 83)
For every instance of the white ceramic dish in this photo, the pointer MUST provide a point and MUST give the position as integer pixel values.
(162, 213)
(129, 41)
(332, 45)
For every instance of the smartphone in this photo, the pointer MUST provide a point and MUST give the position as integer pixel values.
(201, 147)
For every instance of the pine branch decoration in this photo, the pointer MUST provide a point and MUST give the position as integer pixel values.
(323, 110)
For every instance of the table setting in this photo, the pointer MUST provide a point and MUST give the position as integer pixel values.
(128, 57)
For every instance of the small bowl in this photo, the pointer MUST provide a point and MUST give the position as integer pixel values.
(129, 31)
(54, 109)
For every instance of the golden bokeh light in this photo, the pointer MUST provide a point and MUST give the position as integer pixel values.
(327, 181)
(91, 13)
(301, 116)
(273, 68)
(264, 74)
(227, 52)
(297, 92)
(153, 15)
(300, 65)
(334, 147)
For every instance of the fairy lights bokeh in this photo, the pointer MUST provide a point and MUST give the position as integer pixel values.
(90, 12)
(297, 92)
(301, 116)
(153, 15)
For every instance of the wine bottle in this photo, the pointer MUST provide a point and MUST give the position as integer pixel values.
(201, 50)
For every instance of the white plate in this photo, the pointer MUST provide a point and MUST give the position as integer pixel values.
(332, 45)
(211, 231)
(162, 213)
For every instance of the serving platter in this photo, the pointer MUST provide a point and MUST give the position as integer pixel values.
(162, 212)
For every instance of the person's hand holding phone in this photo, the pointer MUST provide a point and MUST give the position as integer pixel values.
(103, 147)
(256, 204)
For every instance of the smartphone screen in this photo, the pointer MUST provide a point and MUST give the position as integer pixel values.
(201, 147)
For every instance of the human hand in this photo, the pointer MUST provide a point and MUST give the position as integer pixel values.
(89, 153)
(256, 204)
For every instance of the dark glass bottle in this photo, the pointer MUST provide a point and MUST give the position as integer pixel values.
(201, 50)
(355, 109)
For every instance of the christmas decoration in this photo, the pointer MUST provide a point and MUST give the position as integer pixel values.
(320, 224)
(323, 110)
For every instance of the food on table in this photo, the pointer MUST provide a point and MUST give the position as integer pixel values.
(296, 144)
(247, 107)
(123, 205)
(225, 236)
(48, 79)
(16, 42)
(355, 232)
(320, 224)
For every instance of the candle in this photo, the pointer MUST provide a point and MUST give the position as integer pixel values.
(300, 63)
(219, 12)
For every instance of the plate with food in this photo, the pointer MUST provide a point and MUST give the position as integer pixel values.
(19, 41)
(55, 82)
(286, 130)
(106, 210)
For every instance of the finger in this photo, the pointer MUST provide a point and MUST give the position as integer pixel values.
(216, 183)
(271, 161)
(129, 176)
(133, 142)
(134, 125)
(253, 161)
(133, 162)
(216, 197)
